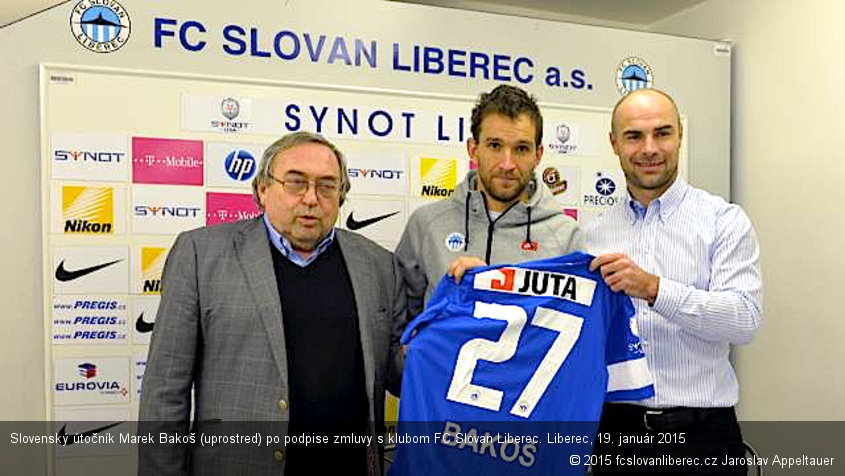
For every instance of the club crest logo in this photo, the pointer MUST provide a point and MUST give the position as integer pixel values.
(101, 27)
(455, 242)
(633, 73)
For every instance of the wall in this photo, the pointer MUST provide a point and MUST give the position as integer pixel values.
(788, 166)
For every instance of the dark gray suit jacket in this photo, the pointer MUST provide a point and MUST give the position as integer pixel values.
(219, 329)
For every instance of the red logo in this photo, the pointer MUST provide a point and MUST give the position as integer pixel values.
(507, 283)
(530, 245)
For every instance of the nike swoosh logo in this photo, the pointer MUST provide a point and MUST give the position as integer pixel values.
(354, 224)
(143, 326)
(71, 439)
(64, 275)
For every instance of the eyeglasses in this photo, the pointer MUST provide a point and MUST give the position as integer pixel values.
(326, 188)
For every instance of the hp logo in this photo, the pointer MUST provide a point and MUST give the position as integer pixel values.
(240, 165)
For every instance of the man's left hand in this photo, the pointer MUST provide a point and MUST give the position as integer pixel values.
(460, 265)
(621, 273)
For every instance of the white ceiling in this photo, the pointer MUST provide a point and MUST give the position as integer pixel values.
(14, 10)
(630, 13)
(625, 13)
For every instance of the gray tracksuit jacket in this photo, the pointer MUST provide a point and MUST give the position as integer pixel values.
(438, 233)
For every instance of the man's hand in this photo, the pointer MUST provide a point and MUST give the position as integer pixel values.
(622, 274)
(460, 266)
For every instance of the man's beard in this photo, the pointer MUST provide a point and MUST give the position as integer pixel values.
(504, 195)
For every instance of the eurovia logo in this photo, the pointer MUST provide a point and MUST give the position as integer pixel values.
(633, 73)
(101, 26)
(87, 370)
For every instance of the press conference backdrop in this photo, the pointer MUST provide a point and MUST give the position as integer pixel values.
(181, 151)
(152, 126)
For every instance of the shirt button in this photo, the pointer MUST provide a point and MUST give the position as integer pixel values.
(279, 455)
(283, 405)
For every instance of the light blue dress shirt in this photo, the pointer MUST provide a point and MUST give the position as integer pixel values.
(284, 246)
(710, 296)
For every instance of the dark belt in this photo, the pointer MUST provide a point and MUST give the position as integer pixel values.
(670, 419)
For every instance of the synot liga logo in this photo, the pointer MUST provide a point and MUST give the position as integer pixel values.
(100, 26)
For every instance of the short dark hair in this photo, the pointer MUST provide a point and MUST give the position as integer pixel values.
(509, 101)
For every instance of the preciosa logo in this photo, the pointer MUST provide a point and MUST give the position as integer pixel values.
(101, 26)
(605, 187)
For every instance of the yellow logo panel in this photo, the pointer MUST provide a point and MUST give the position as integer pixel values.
(152, 265)
(438, 177)
(88, 210)
(391, 414)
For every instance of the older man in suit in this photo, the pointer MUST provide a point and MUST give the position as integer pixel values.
(282, 318)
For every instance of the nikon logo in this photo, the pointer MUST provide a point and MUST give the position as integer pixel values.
(436, 191)
(152, 286)
(88, 209)
(438, 177)
(84, 226)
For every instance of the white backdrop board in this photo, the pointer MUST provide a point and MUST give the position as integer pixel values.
(117, 192)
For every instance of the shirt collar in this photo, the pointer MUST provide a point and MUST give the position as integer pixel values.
(286, 248)
(666, 203)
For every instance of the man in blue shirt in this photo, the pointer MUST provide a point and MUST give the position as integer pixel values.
(691, 262)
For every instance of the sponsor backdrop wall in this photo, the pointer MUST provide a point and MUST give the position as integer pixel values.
(153, 116)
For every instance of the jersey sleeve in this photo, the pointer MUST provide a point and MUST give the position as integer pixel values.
(627, 370)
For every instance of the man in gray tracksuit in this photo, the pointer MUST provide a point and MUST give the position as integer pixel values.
(499, 214)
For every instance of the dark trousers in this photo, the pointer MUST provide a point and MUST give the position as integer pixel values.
(634, 440)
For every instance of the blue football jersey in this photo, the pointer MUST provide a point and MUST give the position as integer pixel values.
(507, 371)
